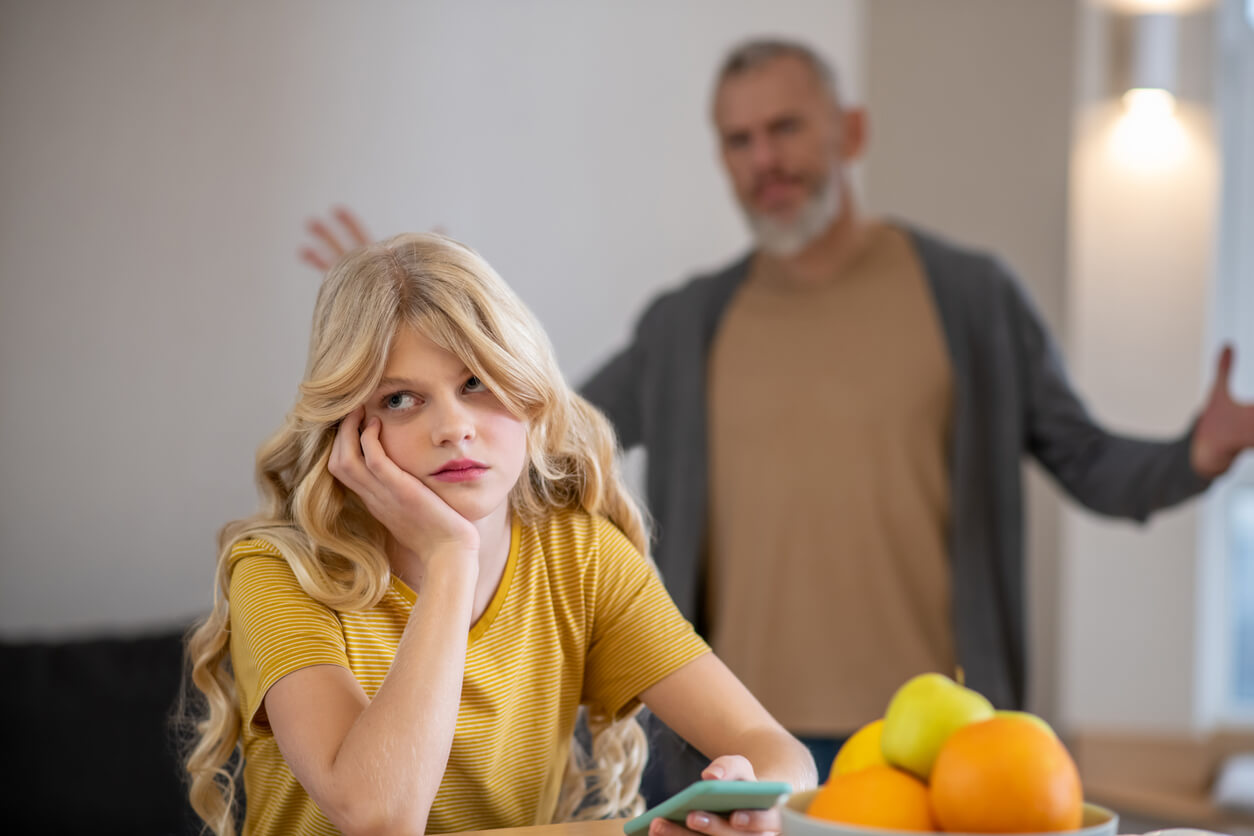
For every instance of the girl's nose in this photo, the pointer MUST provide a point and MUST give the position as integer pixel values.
(453, 424)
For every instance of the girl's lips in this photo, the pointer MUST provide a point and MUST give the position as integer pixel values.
(464, 474)
(461, 470)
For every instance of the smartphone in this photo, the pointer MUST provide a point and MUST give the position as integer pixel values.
(711, 797)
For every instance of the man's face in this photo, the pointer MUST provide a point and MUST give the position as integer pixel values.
(780, 135)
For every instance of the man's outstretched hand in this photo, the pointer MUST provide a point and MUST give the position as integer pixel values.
(332, 240)
(1225, 428)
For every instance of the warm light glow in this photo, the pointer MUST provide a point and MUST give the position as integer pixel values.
(1141, 7)
(1148, 135)
(1149, 103)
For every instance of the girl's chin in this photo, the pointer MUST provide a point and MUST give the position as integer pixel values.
(476, 512)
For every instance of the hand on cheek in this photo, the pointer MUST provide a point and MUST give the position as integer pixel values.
(416, 517)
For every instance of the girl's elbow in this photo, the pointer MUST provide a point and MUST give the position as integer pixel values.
(359, 817)
(366, 825)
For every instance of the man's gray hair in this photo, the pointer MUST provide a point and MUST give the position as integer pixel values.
(755, 52)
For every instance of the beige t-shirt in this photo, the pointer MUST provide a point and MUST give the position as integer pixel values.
(830, 409)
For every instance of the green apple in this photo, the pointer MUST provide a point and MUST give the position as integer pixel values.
(922, 715)
(1025, 715)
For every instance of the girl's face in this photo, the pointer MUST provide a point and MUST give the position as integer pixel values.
(441, 425)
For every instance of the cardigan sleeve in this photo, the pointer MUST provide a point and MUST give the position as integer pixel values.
(1110, 473)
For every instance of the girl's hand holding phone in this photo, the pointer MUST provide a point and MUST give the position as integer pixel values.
(738, 823)
(417, 518)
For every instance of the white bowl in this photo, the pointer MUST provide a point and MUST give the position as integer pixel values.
(1098, 821)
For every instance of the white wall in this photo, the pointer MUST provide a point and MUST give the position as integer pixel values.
(1143, 233)
(158, 160)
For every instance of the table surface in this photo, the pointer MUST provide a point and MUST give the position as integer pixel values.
(612, 827)
(609, 827)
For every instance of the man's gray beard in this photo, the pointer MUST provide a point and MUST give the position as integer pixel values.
(788, 238)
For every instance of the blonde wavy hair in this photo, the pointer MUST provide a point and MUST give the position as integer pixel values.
(333, 545)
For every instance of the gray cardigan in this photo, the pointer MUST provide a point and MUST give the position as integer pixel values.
(1011, 395)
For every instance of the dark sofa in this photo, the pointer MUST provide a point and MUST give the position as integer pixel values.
(88, 746)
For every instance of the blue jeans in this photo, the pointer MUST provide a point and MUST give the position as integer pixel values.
(824, 750)
(674, 764)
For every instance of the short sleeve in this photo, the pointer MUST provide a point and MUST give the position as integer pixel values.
(638, 636)
(276, 628)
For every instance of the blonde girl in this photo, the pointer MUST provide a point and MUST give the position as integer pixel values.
(445, 567)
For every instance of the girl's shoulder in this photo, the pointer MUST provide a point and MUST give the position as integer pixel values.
(575, 527)
(252, 547)
(257, 566)
(252, 551)
(578, 535)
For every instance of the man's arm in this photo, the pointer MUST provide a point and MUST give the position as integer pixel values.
(1111, 474)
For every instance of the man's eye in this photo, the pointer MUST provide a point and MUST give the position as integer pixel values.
(474, 384)
(399, 400)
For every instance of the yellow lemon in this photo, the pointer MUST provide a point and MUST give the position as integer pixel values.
(861, 750)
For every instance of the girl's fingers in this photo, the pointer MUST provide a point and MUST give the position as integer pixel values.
(756, 821)
(397, 483)
(729, 768)
(376, 458)
(713, 825)
(346, 462)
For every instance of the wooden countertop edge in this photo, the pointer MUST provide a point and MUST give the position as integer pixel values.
(607, 827)
(1176, 807)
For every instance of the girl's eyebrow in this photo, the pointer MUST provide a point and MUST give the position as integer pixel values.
(394, 381)
(406, 381)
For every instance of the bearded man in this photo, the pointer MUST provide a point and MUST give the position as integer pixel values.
(835, 424)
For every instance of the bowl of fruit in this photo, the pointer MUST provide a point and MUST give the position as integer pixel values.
(942, 759)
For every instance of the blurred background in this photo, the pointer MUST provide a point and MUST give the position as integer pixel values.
(158, 161)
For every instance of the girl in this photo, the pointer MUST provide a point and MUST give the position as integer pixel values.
(445, 568)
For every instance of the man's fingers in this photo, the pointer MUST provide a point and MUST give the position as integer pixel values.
(332, 248)
(324, 234)
(1225, 365)
(311, 257)
(355, 230)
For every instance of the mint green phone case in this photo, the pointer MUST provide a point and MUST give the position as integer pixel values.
(711, 797)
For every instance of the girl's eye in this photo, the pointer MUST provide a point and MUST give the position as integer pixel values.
(399, 400)
(474, 384)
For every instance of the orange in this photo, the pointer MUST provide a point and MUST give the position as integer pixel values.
(1005, 775)
(877, 796)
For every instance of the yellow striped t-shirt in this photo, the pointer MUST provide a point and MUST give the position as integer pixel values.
(579, 617)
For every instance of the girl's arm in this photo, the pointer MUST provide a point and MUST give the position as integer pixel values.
(709, 707)
(376, 765)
